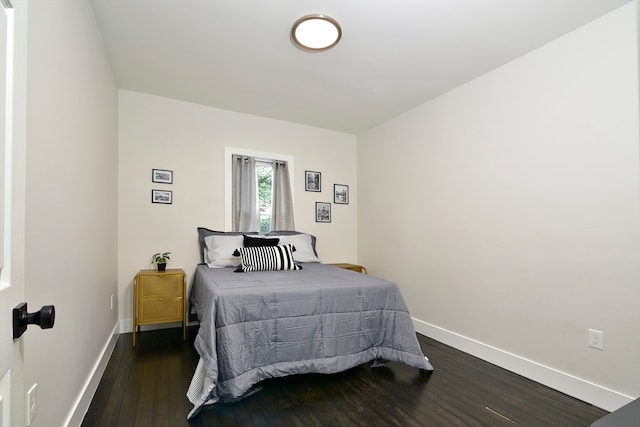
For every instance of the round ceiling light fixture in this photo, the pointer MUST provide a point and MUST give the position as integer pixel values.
(316, 33)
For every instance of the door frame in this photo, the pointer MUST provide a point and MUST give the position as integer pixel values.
(12, 204)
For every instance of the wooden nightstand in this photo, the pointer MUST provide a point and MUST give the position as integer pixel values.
(354, 267)
(159, 297)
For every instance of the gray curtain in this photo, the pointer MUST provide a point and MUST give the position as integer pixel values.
(281, 202)
(245, 215)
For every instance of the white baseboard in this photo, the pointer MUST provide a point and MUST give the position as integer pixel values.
(81, 405)
(586, 391)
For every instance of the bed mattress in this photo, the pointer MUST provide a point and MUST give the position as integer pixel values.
(321, 319)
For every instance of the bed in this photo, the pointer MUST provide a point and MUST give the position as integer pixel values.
(315, 318)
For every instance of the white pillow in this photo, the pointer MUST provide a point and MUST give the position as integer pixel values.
(304, 250)
(219, 251)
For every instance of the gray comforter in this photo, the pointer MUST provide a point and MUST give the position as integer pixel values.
(320, 319)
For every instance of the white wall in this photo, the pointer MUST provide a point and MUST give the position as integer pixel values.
(71, 203)
(190, 140)
(508, 211)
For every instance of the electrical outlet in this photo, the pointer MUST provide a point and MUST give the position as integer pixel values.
(596, 339)
(32, 403)
(111, 301)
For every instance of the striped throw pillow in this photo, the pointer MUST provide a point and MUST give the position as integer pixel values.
(267, 258)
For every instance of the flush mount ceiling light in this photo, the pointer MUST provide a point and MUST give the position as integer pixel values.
(316, 33)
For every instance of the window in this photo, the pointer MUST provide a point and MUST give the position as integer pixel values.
(267, 203)
(264, 174)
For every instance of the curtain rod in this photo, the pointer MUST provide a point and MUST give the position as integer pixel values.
(258, 159)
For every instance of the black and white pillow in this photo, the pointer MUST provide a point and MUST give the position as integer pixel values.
(267, 258)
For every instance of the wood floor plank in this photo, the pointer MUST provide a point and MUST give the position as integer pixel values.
(146, 386)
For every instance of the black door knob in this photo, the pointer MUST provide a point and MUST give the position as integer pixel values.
(45, 318)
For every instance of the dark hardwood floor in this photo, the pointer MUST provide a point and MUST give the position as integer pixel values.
(147, 387)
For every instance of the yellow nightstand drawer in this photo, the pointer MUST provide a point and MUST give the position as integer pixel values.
(161, 310)
(162, 285)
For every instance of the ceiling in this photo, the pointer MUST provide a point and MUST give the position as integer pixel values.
(394, 54)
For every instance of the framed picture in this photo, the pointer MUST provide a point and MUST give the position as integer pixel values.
(312, 181)
(162, 176)
(340, 194)
(323, 212)
(161, 196)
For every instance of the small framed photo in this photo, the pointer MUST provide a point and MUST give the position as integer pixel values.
(340, 194)
(162, 176)
(323, 212)
(161, 196)
(312, 181)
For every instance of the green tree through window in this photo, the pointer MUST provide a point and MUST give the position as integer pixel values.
(264, 172)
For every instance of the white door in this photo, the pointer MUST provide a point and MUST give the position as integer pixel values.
(11, 224)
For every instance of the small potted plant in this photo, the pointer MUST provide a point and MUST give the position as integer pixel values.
(161, 260)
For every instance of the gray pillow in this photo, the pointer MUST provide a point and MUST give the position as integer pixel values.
(204, 232)
(291, 233)
(220, 250)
